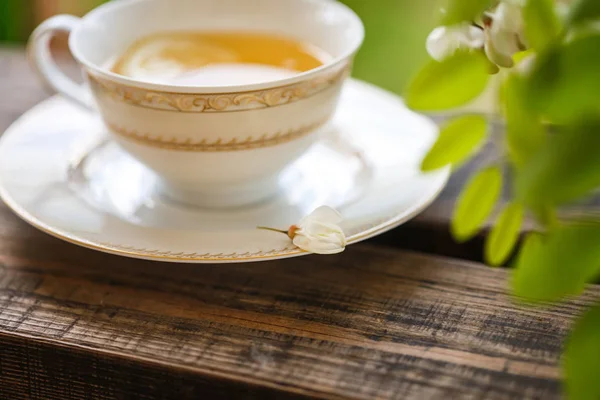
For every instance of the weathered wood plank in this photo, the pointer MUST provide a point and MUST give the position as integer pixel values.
(370, 323)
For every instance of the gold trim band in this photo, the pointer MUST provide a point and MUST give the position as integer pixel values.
(217, 102)
(185, 256)
(219, 145)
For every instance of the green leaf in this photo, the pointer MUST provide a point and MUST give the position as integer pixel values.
(546, 216)
(583, 11)
(504, 235)
(558, 265)
(457, 11)
(13, 22)
(582, 358)
(525, 133)
(453, 82)
(476, 202)
(458, 139)
(566, 168)
(542, 25)
(565, 82)
(531, 246)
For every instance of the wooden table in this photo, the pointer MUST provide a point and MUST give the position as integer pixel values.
(375, 322)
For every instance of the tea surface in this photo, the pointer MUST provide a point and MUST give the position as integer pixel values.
(217, 58)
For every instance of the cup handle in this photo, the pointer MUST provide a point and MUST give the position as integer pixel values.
(44, 64)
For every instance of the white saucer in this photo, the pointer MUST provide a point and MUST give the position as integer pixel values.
(60, 173)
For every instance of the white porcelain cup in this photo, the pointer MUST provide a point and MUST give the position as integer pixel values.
(214, 146)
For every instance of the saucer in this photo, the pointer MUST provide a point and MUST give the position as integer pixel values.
(61, 173)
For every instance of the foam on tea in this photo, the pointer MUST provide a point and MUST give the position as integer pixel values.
(217, 58)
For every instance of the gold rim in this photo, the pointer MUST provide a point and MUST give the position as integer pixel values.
(217, 102)
(219, 145)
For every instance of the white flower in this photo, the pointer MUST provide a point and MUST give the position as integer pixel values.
(319, 233)
(505, 36)
(444, 41)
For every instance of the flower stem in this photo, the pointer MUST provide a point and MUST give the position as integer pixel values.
(266, 228)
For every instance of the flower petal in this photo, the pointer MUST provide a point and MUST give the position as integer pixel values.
(438, 44)
(325, 214)
(317, 247)
(505, 37)
(495, 56)
(508, 17)
(505, 42)
(316, 228)
(319, 232)
(444, 41)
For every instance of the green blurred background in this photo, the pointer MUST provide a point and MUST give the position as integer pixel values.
(394, 47)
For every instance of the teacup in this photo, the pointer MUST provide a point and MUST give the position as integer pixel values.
(210, 146)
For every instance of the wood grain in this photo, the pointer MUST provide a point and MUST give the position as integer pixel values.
(371, 323)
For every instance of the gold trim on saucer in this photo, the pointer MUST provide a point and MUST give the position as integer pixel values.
(235, 144)
(185, 256)
(217, 102)
(359, 234)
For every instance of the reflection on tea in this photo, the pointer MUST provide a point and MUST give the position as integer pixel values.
(217, 58)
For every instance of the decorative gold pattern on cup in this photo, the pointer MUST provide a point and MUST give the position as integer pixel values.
(235, 144)
(217, 102)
